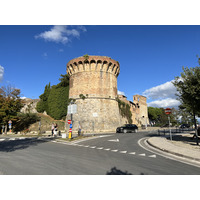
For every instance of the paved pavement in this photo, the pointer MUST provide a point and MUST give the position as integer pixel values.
(181, 145)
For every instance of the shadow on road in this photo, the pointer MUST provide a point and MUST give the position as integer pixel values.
(13, 145)
(115, 171)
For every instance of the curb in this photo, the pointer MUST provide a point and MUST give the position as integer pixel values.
(174, 153)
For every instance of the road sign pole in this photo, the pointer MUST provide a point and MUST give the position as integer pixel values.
(170, 129)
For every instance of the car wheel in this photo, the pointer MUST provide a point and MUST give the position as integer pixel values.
(135, 131)
(125, 131)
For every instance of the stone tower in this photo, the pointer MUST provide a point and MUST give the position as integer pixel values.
(141, 109)
(93, 86)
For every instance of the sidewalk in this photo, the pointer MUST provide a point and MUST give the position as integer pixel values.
(181, 145)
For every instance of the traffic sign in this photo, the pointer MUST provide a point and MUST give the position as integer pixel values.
(168, 111)
(70, 130)
(70, 126)
(69, 121)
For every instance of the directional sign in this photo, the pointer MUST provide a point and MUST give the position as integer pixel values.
(168, 111)
(72, 109)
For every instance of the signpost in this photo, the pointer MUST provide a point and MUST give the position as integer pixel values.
(71, 109)
(10, 125)
(168, 111)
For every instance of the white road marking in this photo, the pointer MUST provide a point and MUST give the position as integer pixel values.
(2, 139)
(152, 156)
(115, 140)
(12, 139)
(100, 148)
(86, 146)
(132, 153)
(107, 149)
(167, 155)
(142, 154)
(21, 138)
(122, 151)
(93, 147)
(114, 150)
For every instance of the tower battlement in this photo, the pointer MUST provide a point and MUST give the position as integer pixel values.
(94, 64)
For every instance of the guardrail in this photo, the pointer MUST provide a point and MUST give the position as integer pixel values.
(174, 130)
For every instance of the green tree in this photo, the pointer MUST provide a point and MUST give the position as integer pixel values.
(58, 102)
(10, 104)
(42, 105)
(24, 121)
(188, 87)
(154, 114)
(55, 99)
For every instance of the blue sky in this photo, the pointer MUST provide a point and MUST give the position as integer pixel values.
(150, 57)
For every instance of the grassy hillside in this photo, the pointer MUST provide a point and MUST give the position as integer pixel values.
(46, 122)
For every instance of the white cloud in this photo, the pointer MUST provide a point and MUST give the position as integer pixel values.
(163, 95)
(23, 97)
(166, 90)
(61, 34)
(120, 93)
(1, 72)
(164, 103)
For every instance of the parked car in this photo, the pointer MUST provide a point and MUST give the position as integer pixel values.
(184, 126)
(127, 128)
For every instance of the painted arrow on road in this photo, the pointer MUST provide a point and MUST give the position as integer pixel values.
(115, 140)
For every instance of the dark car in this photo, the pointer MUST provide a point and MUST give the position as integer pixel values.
(184, 126)
(127, 128)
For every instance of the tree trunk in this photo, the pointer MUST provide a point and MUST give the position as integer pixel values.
(195, 124)
(6, 129)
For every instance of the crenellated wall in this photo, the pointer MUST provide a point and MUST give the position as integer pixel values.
(95, 79)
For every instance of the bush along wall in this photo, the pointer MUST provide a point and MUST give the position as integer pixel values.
(124, 110)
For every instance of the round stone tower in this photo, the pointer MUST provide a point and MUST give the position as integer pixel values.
(93, 86)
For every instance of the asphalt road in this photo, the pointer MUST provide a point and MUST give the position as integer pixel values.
(112, 154)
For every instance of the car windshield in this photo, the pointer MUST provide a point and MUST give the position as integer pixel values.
(129, 125)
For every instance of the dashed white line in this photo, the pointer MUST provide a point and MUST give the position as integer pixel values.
(152, 156)
(142, 154)
(100, 148)
(12, 139)
(107, 149)
(93, 147)
(123, 152)
(2, 139)
(114, 150)
(132, 153)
